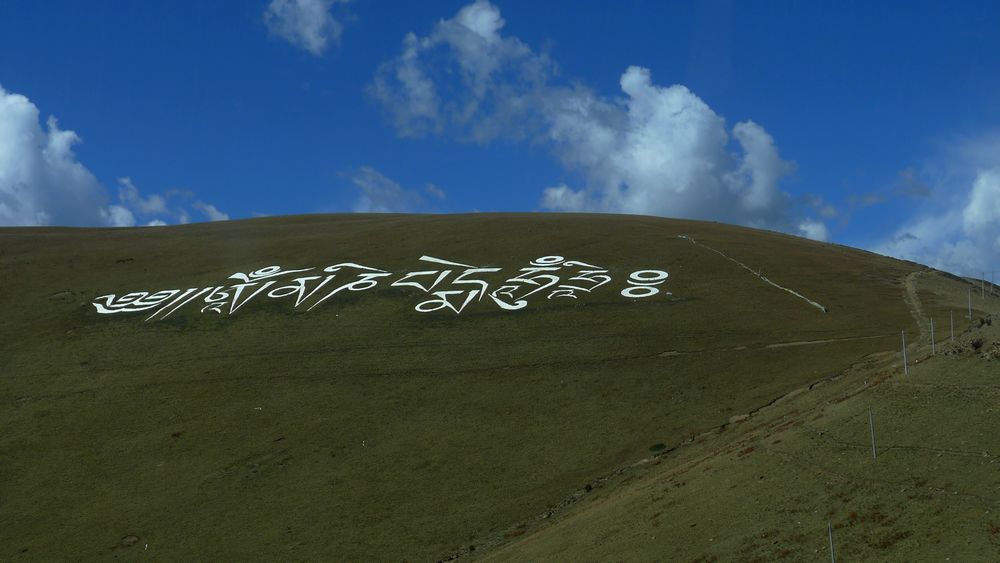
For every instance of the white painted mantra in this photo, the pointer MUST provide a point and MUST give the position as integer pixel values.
(451, 285)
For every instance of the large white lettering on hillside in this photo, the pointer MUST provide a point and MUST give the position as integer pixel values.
(450, 286)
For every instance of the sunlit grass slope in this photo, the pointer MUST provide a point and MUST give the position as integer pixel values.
(773, 486)
(363, 428)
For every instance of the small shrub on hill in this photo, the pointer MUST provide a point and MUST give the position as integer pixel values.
(993, 353)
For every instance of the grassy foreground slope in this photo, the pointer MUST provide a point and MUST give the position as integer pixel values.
(770, 487)
(366, 429)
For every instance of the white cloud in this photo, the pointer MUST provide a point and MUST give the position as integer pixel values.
(380, 194)
(162, 209)
(210, 211)
(435, 192)
(43, 183)
(658, 150)
(961, 235)
(128, 194)
(307, 24)
(564, 198)
(663, 151)
(981, 216)
(464, 78)
(761, 168)
(820, 206)
(815, 230)
(119, 216)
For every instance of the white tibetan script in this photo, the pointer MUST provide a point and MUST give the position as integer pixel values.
(448, 285)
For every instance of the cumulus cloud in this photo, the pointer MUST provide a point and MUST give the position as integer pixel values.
(119, 216)
(380, 194)
(657, 150)
(962, 234)
(128, 194)
(663, 151)
(819, 204)
(43, 183)
(813, 229)
(464, 79)
(210, 211)
(306, 24)
(156, 210)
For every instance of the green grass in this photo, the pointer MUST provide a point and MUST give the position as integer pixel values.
(766, 489)
(365, 430)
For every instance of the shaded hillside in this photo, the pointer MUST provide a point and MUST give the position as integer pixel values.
(363, 427)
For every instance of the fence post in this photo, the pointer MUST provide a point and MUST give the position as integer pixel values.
(952, 316)
(871, 427)
(829, 529)
(905, 369)
(933, 345)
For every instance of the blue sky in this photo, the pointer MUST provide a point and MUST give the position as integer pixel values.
(870, 124)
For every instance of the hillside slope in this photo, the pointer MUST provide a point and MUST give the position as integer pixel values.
(363, 427)
(924, 486)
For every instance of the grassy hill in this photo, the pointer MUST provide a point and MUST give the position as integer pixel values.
(365, 429)
(767, 488)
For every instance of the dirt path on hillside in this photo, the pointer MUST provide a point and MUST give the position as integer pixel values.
(756, 273)
(774, 345)
(916, 307)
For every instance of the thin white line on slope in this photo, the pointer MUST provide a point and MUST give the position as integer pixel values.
(758, 274)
